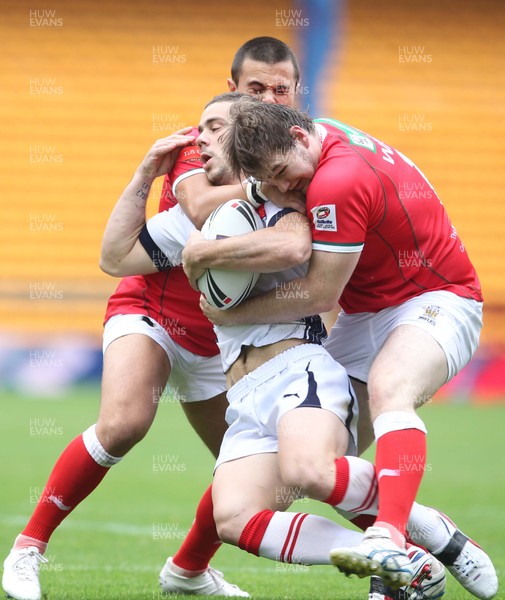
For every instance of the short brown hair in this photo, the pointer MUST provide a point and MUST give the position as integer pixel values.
(257, 132)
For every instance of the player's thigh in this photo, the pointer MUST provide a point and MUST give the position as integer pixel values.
(409, 368)
(200, 385)
(406, 352)
(365, 428)
(207, 417)
(244, 487)
(135, 373)
(310, 439)
(317, 427)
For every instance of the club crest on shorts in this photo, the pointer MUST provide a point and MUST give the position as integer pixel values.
(431, 312)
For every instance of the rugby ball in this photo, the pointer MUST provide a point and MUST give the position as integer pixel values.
(225, 289)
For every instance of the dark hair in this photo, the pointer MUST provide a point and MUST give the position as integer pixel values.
(258, 133)
(226, 97)
(265, 49)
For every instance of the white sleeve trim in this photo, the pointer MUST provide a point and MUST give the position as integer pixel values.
(336, 248)
(185, 175)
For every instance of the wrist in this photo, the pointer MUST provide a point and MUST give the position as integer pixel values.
(254, 193)
(194, 255)
(141, 177)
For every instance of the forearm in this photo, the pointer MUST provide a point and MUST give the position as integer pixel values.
(264, 251)
(318, 292)
(287, 302)
(122, 253)
(125, 222)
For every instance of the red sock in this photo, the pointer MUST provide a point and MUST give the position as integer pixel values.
(400, 463)
(202, 541)
(74, 476)
(252, 536)
(341, 482)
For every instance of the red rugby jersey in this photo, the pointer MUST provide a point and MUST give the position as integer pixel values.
(367, 196)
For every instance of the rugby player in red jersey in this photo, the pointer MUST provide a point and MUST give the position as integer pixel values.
(411, 300)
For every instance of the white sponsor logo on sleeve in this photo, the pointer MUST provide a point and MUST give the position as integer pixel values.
(325, 218)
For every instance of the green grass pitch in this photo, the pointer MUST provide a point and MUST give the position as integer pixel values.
(115, 543)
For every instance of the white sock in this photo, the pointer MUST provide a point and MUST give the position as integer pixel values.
(397, 420)
(361, 494)
(96, 450)
(425, 527)
(305, 539)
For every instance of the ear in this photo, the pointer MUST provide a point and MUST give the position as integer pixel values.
(231, 85)
(299, 134)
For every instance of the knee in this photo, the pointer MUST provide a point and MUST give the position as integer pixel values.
(118, 436)
(309, 477)
(227, 531)
(390, 392)
(232, 515)
(229, 526)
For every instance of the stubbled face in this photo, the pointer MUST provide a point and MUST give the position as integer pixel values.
(212, 126)
(274, 83)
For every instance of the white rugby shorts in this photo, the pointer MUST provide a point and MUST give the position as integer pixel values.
(193, 378)
(454, 322)
(303, 376)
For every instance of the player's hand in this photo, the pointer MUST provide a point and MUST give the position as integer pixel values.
(161, 158)
(215, 315)
(190, 262)
(293, 199)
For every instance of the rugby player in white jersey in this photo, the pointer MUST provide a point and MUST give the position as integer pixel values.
(334, 490)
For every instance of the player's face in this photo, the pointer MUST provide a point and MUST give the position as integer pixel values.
(293, 170)
(212, 125)
(271, 83)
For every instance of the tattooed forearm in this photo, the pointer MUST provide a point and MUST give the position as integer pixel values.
(143, 191)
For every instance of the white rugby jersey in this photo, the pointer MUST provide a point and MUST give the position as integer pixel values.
(164, 237)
